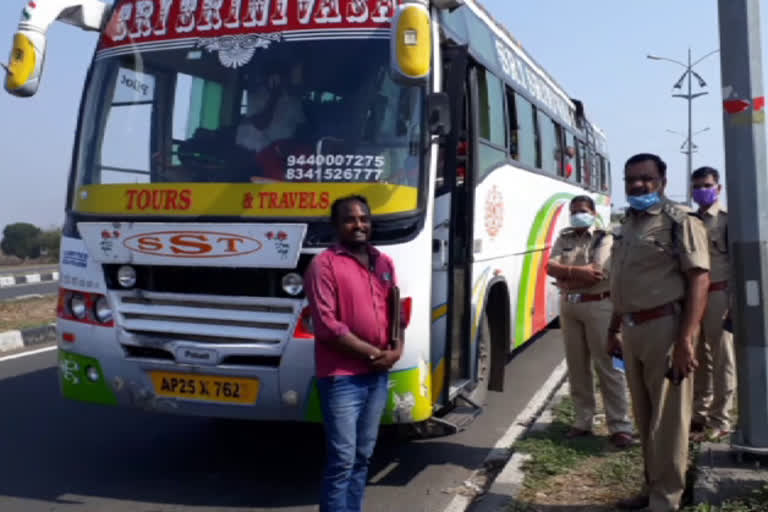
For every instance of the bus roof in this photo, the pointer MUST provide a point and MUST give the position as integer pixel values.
(506, 36)
(516, 45)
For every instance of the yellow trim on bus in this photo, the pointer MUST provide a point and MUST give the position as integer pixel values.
(239, 199)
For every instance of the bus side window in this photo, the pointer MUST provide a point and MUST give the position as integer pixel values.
(548, 141)
(526, 132)
(514, 127)
(580, 161)
(492, 132)
(537, 136)
(570, 160)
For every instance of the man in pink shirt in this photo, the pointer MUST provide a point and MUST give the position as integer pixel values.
(348, 288)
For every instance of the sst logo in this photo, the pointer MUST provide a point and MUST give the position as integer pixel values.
(193, 244)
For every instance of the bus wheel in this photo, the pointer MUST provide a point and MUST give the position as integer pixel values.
(479, 392)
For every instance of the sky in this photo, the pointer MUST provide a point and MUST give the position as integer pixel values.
(595, 49)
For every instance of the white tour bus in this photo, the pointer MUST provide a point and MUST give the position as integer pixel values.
(213, 137)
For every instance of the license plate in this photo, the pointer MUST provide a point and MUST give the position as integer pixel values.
(231, 390)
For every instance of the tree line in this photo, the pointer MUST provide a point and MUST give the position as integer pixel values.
(27, 241)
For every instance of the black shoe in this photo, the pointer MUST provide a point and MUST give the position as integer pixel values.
(635, 503)
(697, 427)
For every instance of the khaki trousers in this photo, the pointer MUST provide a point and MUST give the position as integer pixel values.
(662, 410)
(715, 378)
(585, 328)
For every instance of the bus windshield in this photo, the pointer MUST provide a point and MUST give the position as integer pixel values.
(313, 111)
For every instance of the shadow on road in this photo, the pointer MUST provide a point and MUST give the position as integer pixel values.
(58, 451)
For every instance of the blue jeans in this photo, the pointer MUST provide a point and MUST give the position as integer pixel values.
(352, 409)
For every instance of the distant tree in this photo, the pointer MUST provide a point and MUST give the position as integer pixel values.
(49, 242)
(21, 239)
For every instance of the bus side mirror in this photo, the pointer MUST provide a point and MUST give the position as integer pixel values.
(25, 66)
(411, 43)
(439, 113)
(25, 63)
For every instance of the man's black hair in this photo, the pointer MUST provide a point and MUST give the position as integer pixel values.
(337, 204)
(644, 157)
(703, 172)
(584, 199)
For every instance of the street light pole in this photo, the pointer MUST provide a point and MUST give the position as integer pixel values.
(689, 74)
(684, 146)
(690, 134)
(746, 158)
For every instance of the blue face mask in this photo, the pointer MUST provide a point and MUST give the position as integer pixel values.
(644, 201)
(582, 220)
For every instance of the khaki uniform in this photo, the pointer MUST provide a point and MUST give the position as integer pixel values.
(651, 255)
(715, 378)
(584, 324)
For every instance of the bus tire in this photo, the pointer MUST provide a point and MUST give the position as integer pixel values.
(479, 392)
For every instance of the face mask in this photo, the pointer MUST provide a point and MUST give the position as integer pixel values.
(705, 196)
(582, 220)
(644, 201)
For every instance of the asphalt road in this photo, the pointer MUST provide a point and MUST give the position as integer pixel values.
(65, 456)
(12, 292)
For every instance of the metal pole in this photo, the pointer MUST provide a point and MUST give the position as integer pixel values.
(745, 151)
(688, 191)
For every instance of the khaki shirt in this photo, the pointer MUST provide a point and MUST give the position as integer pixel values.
(652, 253)
(715, 219)
(580, 249)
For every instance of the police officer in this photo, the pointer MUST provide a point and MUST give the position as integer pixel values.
(715, 378)
(659, 285)
(578, 262)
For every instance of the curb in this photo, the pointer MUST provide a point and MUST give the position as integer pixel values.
(501, 452)
(32, 278)
(509, 482)
(14, 340)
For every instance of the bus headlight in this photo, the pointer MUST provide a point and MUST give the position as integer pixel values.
(77, 306)
(126, 276)
(293, 284)
(102, 311)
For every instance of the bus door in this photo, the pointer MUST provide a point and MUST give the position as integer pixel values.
(452, 238)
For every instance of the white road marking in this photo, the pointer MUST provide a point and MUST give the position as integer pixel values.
(29, 353)
(518, 427)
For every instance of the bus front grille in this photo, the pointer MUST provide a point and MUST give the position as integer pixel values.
(205, 318)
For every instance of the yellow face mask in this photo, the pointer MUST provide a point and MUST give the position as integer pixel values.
(22, 65)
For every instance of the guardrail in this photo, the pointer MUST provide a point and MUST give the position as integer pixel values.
(30, 278)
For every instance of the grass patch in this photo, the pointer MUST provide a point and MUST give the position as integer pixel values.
(22, 314)
(589, 475)
(585, 473)
(757, 502)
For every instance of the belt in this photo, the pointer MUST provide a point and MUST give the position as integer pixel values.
(718, 286)
(641, 317)
(575, 298)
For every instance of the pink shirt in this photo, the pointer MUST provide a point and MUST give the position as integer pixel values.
(347, 297)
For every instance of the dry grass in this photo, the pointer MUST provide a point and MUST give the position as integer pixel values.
(589, 475)
(21, 314)
(578, 475)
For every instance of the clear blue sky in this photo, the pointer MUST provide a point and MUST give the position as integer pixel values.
(595, 49)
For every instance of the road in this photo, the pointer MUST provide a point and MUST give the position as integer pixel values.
(20, 290)
(64, 456)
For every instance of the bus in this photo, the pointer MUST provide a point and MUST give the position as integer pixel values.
(212, 138)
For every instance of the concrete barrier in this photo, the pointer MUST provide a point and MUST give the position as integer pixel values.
(8, 281)
(14, 340)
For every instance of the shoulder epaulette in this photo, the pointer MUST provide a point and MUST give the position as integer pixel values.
(600, 234)
(675, 212)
